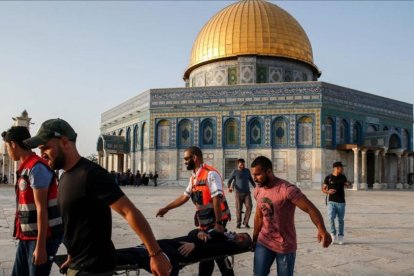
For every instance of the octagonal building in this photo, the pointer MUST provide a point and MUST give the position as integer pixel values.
(251, 89)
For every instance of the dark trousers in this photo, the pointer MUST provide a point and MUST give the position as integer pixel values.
(246, 199)
(206, 268)
(23, 264)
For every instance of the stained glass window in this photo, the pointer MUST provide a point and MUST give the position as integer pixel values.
(185, 133)
(163, 133)
(135, 139)
(144, 136)
(357, 134)
(255, 132)
(305, 131)
(343, 132)
(231, 134)
(207, 132)
(280, 132)
(329, 132)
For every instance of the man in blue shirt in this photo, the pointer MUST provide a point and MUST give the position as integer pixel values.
(239, 180)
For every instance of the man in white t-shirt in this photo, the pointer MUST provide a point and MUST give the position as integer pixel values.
(206, 191)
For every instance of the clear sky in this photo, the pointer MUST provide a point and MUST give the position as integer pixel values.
(75, 59)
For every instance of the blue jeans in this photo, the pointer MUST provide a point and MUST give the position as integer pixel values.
(23, 264)
(264, 258)
(336, 209)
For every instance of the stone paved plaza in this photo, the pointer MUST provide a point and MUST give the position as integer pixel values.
(378, 227)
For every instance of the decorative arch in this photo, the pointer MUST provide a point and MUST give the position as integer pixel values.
(329, 132)
(255, 132)
(305, 131)
(357, 134)
(207, 133)
(280, 132)
(144, 136)
(405, 139)
(185, 133)
(343, 132)
(128, 140)
(372, 128)
(394, 142)
(163, 134)
(135, 140)
(231, 133)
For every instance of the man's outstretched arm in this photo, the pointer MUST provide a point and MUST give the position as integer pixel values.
(160, 264)
(307, 206)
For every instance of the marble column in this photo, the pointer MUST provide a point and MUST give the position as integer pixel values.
(377, 185)
(364, 169)
(383, 178)
(356, 169)
(404, 178)
(399, 185)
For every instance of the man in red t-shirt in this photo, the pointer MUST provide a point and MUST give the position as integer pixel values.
(274, 235)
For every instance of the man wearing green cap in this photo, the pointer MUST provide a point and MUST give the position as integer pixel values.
(86, 194)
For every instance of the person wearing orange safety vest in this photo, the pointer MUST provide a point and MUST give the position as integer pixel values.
(206, 192)
(38, 224)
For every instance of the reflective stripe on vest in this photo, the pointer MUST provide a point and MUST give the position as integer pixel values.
(26, 215)
(201, 197)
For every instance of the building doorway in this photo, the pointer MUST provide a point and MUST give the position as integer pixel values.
(120, 165)
(230, 164)
(370, 169)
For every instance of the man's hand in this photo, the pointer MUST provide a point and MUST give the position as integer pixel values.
(253, 246)
(39, 256)
(161, 212)
(325, 238)
(186, 248)
(219, 228)
(230, 190)
(331, 191)
(64, 267)
(160, 265)
(202, 236)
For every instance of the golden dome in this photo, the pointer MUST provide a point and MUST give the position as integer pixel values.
(251, 27)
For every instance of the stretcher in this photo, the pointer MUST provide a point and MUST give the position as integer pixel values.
(129, 261)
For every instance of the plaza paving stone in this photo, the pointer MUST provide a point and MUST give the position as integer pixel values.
(378, 227)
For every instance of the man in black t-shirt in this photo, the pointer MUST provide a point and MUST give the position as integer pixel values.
(333, 187)
(87, 192)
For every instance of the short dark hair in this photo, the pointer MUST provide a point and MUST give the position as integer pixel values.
(16, 134)
(195, 151)
(263, 162)
(241, 160)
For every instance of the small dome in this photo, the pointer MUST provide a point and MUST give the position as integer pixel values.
(251, 27)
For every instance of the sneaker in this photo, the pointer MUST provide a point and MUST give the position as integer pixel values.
(333, 238)
(341, 240)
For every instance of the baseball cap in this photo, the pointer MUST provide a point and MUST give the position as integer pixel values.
(53, 128)
(337, 164)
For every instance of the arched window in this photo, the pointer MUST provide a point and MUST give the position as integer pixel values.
(343, 132)
(357, 133)
(280, 132)
(207, 133)
(185, 133)
(135, 140)
(371, 128)
(231, 133)
(405, 139)
(305, 131)
(255, 132)
(144, 137)
(395, 142)
(120, 132)
(329, 132)
(128, 140)
(163, 133)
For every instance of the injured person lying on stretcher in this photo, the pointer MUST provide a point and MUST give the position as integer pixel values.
(182, 251)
